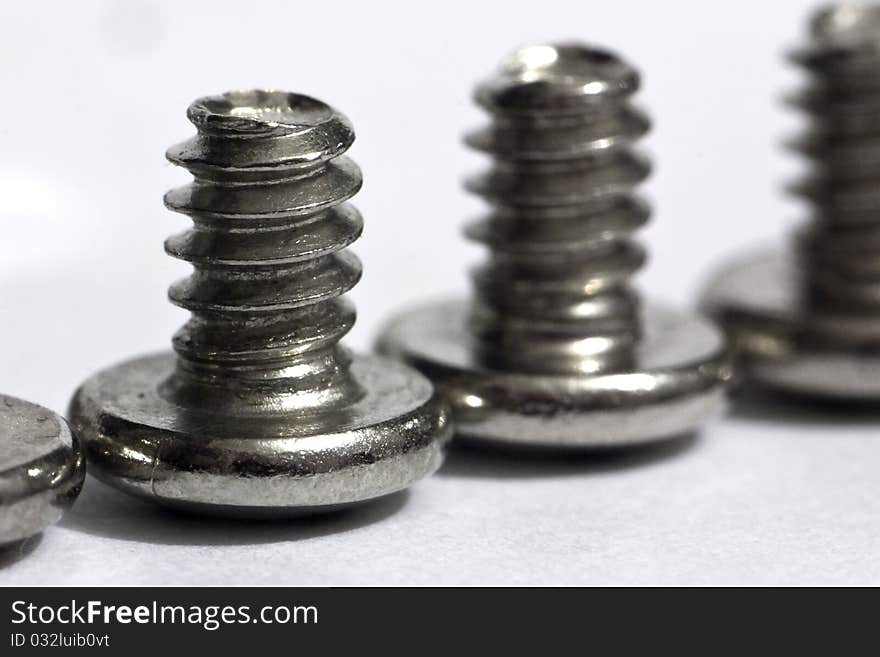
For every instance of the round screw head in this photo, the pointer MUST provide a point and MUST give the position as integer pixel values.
(41, 469)
(676, 381)
(780, 344)
(205, 459)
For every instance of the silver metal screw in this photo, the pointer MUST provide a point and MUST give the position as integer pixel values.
(555, 348)
(41, 469)
(808, 321)
(262, 411)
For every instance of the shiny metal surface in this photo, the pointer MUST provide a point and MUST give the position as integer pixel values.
(41, 469)
(554, 348)
(808, 320)
(672, 387)
(262, 411)
(781, 343)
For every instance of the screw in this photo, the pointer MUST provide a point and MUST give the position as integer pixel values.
(807, 321)
(262, 411)
(554, 349)
(41, 469)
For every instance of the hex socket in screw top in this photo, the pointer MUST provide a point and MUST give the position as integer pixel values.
(261, 410)
(807, 320)
(556, 348)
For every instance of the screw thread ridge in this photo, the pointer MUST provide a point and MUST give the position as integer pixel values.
(839, 248)
(555, 296)
(270, 225)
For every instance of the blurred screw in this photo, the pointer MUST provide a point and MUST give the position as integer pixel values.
(41, 469)
(808, 321)
(262, 411)
(555, 349)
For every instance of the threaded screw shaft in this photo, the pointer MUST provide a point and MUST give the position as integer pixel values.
(270, 225)
(555, 295)
(840, 247)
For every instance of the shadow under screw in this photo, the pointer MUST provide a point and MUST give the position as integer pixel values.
(473, 459)
(103, 511)
(787, 408)
(12, 553)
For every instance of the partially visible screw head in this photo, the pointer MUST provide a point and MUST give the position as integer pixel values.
(41, 469)
(262, 411)
(807, 321)
(555, 350)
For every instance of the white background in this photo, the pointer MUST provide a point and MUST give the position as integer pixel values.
(94, 92)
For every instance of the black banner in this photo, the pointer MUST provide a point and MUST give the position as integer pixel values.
(264, 620)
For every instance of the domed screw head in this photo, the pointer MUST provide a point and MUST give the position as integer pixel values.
(41, 469)
(806, 320)
(262, 411)
(555, 348)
